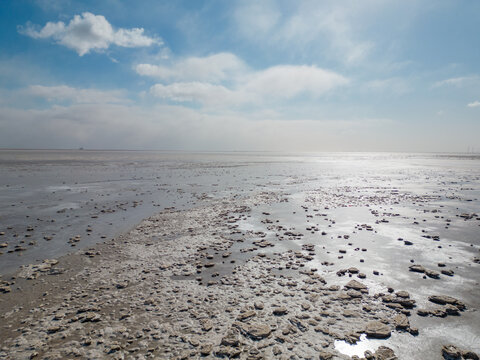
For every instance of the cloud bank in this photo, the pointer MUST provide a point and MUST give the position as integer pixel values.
(117, 126)
(213, 68)
(225, 79)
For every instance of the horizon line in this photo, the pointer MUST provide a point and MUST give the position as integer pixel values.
(242, 151)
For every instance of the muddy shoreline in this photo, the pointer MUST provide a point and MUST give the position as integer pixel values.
(198, 283)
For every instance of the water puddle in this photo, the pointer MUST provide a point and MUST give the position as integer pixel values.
(358, 348)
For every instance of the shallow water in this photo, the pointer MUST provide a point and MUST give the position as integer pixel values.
(61, 194)
(358, 348)
(100, 194)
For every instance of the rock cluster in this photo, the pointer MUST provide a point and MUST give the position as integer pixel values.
(191, 284)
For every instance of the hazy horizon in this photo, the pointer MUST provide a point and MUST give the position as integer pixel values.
(306, 76)
(470, 152)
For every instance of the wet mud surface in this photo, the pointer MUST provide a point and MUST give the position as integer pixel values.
(334, 257)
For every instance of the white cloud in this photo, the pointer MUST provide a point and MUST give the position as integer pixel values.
(88, 32)
(75, 95)
(458, 81)
(288, 81)
(329, 28)
(334, 23)
(213, 68)
(474, 104)
(255, 87)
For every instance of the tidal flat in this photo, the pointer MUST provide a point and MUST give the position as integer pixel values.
(136, 255)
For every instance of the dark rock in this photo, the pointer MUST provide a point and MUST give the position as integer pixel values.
(341, 272)
(413, 331)
(406, 303)
(280, 311)
(451, 310)
(53, 329)
(450, 352)
(443, 300)
(325, 355)
(246, 315)
(385, 353)
(388, 298)
(206, 349)
(231, 339)
(254, 331)
(438, 312)
(300, 325)
(378, 330)
(470, 355)
(423, 312)
(355, 285)
(432, 274)
(447, 272)
(354, 294)
(417, 268)
(401, 322)
(206, 324)
(258, 305)
(225, 351)
(5, 289)
(403, 294)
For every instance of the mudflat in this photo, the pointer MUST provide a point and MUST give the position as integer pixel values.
(375, 258)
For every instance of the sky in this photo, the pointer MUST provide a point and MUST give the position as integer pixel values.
(340, 75)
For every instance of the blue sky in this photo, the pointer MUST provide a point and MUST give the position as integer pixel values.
(241, 75)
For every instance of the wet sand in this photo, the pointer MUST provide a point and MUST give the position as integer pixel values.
(302, 266)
